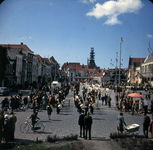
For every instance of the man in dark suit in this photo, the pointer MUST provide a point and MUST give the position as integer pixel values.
(13, 120)
(146, 123)
(88, 123)
(81, 123)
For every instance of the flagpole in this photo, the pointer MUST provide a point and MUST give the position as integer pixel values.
(120, 59)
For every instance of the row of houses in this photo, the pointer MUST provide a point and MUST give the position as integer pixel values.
(140, 71)
(73, 72)
(25, 68)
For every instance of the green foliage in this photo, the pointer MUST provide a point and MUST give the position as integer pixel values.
(52, 138)
(41, 147)
(66, 138)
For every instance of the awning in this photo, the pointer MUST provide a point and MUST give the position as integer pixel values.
(136, 81)
(135, 75)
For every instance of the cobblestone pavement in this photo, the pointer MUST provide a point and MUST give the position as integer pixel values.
(66, 123)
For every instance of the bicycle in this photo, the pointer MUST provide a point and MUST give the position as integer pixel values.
(24, 127)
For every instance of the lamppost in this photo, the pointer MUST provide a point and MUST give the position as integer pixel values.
(120, 58)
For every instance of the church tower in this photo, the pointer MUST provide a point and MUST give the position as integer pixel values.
(92, 59)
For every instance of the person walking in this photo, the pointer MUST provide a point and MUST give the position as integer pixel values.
(7, 128)
(146, 123)
(120, 123)
(150, 128)
(88, 123)
(12, 104)
(145, 106)
(49, 110)
(109, 101)
(13, 120)
(102, 98)
(152, 106)
(81, 123)
(1, 125)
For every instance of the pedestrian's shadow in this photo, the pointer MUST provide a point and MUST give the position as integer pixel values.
(65, 114)
(47, 132)
(98, 114)
(55, 120)
(98, 119)
(45, 121)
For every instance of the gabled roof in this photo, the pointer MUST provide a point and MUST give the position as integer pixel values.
(149, 58)
(47, 61)
(40, 59)
(52, 59)
(17, 47)
(86, 66)
(75, 66)
(133, 61)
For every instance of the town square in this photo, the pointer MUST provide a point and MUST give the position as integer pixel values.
(76, 74)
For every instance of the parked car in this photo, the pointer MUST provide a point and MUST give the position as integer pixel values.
(4, 91)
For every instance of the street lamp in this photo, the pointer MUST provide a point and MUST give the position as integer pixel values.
(120, 59)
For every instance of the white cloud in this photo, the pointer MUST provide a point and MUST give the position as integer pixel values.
(149, 36)
(112, 9)
(25, 37)
(87, 1)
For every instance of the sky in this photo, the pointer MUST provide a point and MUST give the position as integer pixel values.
(68, 29)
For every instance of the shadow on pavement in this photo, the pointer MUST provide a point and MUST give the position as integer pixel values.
(98, 119)
(65, 114)
(100, 139)
(55, 120)
(98, 114)
(47, 133)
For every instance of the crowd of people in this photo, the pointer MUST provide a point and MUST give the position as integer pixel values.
(40, 98)
(86, 103)
(92, 94)
(124, 104)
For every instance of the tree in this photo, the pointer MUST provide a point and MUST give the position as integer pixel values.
(3, 62)
(1, 1)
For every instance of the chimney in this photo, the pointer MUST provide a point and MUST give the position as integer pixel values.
(21, 43)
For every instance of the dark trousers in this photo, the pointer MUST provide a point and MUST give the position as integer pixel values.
(12, 135)
(82, 128)
(109, 103)
(88, 129)
(146, 109)
(145, 132)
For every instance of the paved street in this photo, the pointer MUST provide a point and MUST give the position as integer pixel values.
(66, 123)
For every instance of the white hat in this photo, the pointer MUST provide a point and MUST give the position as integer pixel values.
(6, 116)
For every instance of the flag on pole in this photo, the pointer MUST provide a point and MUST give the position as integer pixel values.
(103, 74)
(129, 74)
(121, 39)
